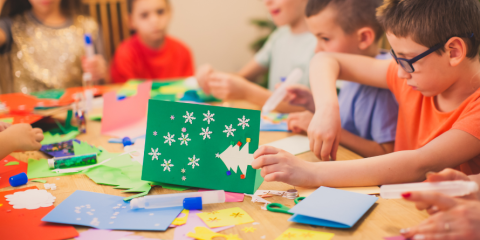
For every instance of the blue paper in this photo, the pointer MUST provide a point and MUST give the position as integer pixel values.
(105, 211)
(330, 207)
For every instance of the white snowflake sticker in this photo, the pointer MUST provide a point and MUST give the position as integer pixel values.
(193, 161)
(206, 133)
(184, 139)
(167, 165)
(155, 133)
(169, 139)
(243, 122)
(184, 178)
(189, 117)
(183, 170)
(217, 155)
(154, 154)
(208, 117)
(229, 130)
(172, 117)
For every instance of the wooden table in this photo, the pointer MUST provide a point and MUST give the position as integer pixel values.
(384, 219)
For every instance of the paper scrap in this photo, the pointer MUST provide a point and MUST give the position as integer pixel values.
(7, 120)
(301, 234)
(295, 145)
(249, 229)
(31, 199)
(192, 222)
(203, 233)
(12, 163)
(225, 217)
(182, 218)
(38, 180)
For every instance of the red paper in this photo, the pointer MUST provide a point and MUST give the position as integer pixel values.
(68, 96)
(26, 224)
(19, 103)
(7, 171)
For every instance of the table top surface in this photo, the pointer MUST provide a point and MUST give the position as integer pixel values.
(384, 219)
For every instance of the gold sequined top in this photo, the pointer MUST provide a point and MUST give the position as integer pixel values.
(43, 57)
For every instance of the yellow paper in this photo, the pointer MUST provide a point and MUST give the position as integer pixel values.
(249, 229)
(203, 233)
(225, 217)
(181, 220)
(305, 192)
(172, 89)
(300, 234)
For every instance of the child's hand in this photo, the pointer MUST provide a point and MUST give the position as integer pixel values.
(4, 125)
(278, 165)
(23, 137)
(203, 74)
(97, 66)
(324, 133)
(298, 122)
(226, 86)
(300, 95)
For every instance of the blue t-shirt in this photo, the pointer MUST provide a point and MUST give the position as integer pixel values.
(369, 112)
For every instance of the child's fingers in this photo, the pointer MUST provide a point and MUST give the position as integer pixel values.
(443, 202)
(264, 161)
(266, 170)
(335, 148)
(327, 149)
(446, 175)
(317, 149)
(265, 150)
(276, 177)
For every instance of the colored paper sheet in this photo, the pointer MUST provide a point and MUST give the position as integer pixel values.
(39, 181)
(373, 190)
(95, 117)
(7, 120)
(127, 117)
(274, 122)
(203, 233)
(171, 186)
(24, 104)
(225, 217)
(82, 148)
(202, 146)
(61, 149)
(7, 170)
(101, 234)
(182, 218)
(301, 234)
(22, 117)
(192, 222)
(230, 196)
(49, 94)
(331, 207)
(20, 224)
(69, 96)
(12, 163)
(111, 212)
(395, 238)
(295, 145)
(48, 138)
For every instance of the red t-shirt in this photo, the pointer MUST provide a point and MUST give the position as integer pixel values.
(135, 60)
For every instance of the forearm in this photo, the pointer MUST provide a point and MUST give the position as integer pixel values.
(324, 89)
(259, 95)
(252, 70)
(361, 146)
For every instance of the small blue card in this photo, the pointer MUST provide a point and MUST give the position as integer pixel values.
(105, 211)
(274, 122)
(330, 207)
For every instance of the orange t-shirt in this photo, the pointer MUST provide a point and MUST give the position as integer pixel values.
(419, 121)
(135, 60)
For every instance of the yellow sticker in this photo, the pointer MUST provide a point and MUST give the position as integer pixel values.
(203, 233)
(181, 220)
(225, 217)
(300, 234)
(249, 229)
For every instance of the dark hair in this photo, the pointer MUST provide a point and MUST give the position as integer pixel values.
(130, 5)
(429, 22)
(12, 8)
(351, 14)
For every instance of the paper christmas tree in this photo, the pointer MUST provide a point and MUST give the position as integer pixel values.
(202, 146)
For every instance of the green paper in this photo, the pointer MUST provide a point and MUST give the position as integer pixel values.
(137, 187)
(171, 186)
(95, 117)
(49, 94)
(107, 175)
(39, 180)
(6, 120)
(84, 148)
(12, 163)
(48, 138)
(135, 196)
(40, 169)
(210, 171)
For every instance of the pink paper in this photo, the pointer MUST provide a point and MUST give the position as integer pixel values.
(193, 221)
(98, 234)
(127, 117)
(395, 238)
(230, 196)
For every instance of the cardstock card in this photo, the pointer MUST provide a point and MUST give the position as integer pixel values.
(295, 145)
(126, 117)
(10, 166)
(274, 122)
(329, 207)
(105, 211)
(20, 224)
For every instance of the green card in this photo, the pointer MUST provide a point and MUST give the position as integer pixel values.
(201, 146)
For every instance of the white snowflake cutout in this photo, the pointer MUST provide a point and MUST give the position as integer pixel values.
(169, 139)
(167, 165)
(229, 130)
(184, 139)
(243, 122)
(208, 117)
(154, 154)
(206, 133)
(193, 161)
(189, 117)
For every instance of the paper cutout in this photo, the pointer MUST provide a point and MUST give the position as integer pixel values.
(12, 163)
(301, 234)
(169, 118)
(274, 122)
(39, 180)
(7, 120)
(229, 196)
(203, 233)
(31, 199)
(69, 96)
(192, 222)
(109, 213)
(19, 102)
(295, 145)
(225, 217)
(373, 190)
(331, 207)
(95, 117)
(127, 117)
(182, 218)
(249, 229)
(49, 138)
(8, 171)
(100, 234)
(24, 224)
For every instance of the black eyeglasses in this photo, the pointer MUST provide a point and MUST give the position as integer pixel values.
(407, 64)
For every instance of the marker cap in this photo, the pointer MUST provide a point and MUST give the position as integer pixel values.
(193, 203)
(19, 179)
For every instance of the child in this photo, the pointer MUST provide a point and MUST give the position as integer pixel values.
(290, 46)
(435, 80)
(42, 45)
(151, 53)
(19, 137)
(368, 114)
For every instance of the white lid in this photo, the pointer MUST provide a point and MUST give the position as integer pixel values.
(51, 162)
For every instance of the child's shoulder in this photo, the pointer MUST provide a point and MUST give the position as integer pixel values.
(176, 43)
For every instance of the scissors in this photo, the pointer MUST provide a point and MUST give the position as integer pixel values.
(277, 207)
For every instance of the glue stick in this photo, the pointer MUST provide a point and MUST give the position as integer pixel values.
(450, 188)
(177, 200)
(72, 161)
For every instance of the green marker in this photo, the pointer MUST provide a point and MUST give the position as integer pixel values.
(72, 161)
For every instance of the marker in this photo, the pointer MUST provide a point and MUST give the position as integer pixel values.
(450, 188)
(279, 94)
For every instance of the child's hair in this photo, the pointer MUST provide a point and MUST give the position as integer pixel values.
(351, 14)
(130, 5)
(430, 22)
(15, 7)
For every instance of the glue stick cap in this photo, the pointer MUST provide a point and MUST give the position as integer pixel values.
(19, 179)
(193, 203)
(51, 163)
(127, 141)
